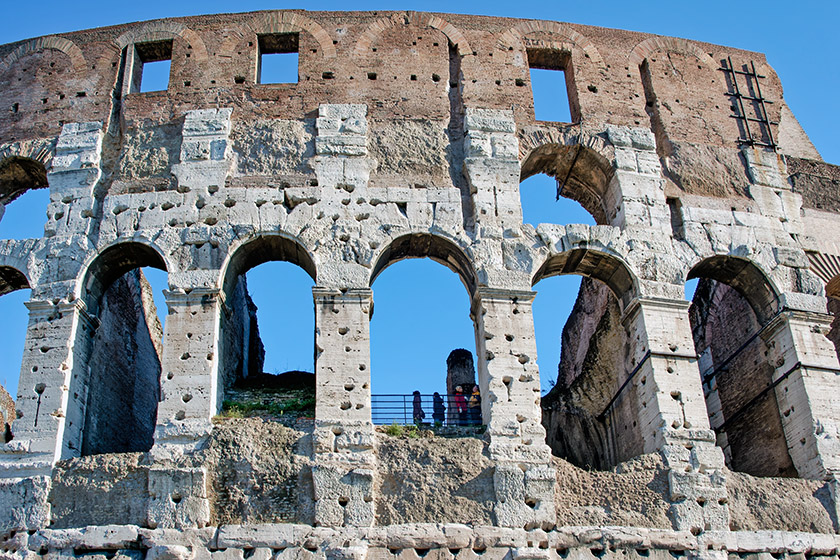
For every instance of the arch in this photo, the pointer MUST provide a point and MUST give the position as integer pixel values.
(583, 173)
(12, 279)
(262, 248)
(111, 263)
(54, 42)
(671, 44)
(422, 245)
(512, 38)
(162, 30)
(745, 277)
(827, 267)
(375, 29)
(285, 22)
(19, 174)
(609, 269)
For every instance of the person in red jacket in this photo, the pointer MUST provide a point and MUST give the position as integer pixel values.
(460, 406)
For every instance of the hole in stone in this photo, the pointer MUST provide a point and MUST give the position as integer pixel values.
(598, 552)
(180, 415)
(349, 386)
(186, 398)
(343, 501)
(346, 405)
(40, 388)
(509, 337)
(531, 503)
(421, 552)
(176, 498)
(371, 75)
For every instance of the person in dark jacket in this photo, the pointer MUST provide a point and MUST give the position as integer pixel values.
(438, 408)
(418, 408)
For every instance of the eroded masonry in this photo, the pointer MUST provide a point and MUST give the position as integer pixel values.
(712, 427)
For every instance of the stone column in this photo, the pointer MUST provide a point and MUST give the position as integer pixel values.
(672, 413)
(806, 382)
(190, 391)
(52, 393)
(50, 411)
(344, 459)
(491, 165)
(510, 386)
(635, 198)
(72, 177)
(190, 396)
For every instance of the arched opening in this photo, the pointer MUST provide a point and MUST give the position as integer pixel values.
(590, 420)
(23, 198)
(422, 335)
(732, 305)
(14, 292)
(115, 387)
(832, 292)
(579, 173)
(267, 330)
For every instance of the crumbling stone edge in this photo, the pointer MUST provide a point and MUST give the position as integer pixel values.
(267, 541)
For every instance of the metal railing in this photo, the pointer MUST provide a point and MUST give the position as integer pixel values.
(399, 409)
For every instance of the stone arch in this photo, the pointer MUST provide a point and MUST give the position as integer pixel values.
(609, 269)
(827, 268)
(163, 30)
(12, 279)
(582, 171)
(261, 248)
(53, 42)
(237, 323)
(513, 38)
(422, 245)
(117, 354)
(733, 305)
(672, 44)
(375, 29)
(746, 278)
(20, 173)
(112, 262)
(285, 22)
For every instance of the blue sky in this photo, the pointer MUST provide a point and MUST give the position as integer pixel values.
(411, 336)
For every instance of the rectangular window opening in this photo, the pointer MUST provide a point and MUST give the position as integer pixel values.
(278, 58)
(152, 64)
(550, 83)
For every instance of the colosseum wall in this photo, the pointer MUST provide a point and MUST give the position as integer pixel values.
(712, 427)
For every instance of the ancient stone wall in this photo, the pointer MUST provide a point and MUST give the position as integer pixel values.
(406, 135)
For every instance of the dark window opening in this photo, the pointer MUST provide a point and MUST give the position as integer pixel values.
(152, 66)
(278, 58)
(551, 84)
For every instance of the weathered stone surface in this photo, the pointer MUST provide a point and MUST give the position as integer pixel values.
(404, 138)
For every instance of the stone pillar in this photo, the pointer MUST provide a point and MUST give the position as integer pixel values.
(50, 411)
(807, 381)
(460, 370)
(510, 386)
(343, 440)
(189, 381)
(53, 389)
(190, 396)
(672, 411)
(636, 195)
(491, 164)
(72, 177)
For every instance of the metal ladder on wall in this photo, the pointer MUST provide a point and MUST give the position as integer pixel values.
(764, 135)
